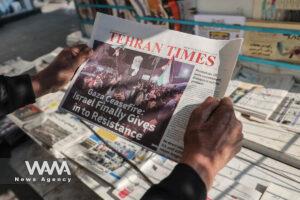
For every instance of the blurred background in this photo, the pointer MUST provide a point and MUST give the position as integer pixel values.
(30, 29)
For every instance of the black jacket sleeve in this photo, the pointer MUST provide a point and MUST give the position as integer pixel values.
(15, 92)
(182, 184)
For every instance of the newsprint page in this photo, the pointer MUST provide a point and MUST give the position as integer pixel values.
(143, 81)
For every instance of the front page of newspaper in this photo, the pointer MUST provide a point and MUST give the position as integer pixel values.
(143, 81)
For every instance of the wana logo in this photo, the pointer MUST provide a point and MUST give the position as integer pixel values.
(45, 168)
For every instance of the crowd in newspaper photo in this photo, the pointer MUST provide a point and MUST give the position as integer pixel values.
(136, 92)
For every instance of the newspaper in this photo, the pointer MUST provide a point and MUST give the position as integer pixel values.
(133, 186)
(25, 114)
(220, 33)
(144, 81)
(280, 47)
(46, 104)
(258, 94)
(279, 10)
(272, 138)
(46, 126)
(93, 154)
(225, 188)
(277, 192)
(57, 131)
(16, 67)
(49, 103)
(287, 113)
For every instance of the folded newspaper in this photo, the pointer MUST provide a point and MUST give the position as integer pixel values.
(143, 81)
(94, 155)
(258, 94)
(287, 113)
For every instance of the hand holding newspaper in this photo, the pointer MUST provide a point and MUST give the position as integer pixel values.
(143, 82)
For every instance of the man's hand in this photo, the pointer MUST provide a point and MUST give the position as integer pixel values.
(212, 138)
(61, 70)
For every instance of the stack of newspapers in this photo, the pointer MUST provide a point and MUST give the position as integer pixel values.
(259, 94)
(269, 98)
(287, 113)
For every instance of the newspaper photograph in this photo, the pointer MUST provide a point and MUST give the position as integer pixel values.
(130, 92)
(143, 81)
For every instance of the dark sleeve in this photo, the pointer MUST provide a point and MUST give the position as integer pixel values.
(15, 92)
(182, 184)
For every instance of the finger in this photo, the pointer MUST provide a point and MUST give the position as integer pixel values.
(76, 50)
(235, 134)
(220, 121)
(222, 115)
(237, 148)
(72, 52)
(233, 149)
(227, 101)
(203, 111)
(231, 153)
(228, 134)
(79, 47)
